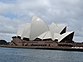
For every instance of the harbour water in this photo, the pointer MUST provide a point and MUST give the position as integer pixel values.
(36, 55)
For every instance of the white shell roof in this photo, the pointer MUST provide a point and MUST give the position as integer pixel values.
(37, 27)
(26, 31)
(56, 36)
(45, 35)
(20, 30)
(64, 35)
(56, 28)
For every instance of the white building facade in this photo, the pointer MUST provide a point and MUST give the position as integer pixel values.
(39, 29)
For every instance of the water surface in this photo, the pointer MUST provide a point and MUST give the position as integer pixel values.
(36, 55)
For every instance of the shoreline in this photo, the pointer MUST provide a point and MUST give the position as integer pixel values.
(46, 48)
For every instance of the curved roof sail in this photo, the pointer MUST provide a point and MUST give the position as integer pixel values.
(65, 35)
(20, 30)
(26, 31)
(56, 28)
(45, 35)
(56, 36)
(38, 26)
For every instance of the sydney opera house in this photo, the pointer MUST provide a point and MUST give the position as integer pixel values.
(39, 34)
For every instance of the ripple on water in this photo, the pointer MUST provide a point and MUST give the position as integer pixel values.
(35, 55)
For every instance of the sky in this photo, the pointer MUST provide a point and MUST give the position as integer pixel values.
(16, 12)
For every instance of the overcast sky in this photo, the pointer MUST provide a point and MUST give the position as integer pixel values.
(16, 12)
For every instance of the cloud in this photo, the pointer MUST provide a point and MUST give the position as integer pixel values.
(16, 12)
(8, 1)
